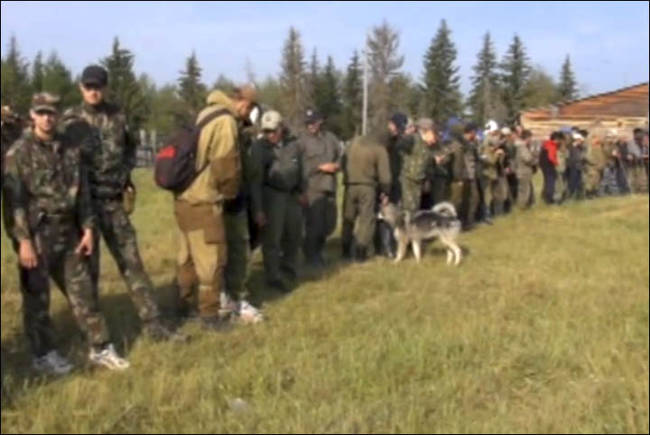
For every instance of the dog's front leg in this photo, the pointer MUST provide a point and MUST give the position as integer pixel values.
(401, 249)
(417, 249)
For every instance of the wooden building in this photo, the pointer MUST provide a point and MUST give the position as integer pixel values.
(623, 109)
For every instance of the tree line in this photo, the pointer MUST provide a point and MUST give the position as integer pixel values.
(500, 89)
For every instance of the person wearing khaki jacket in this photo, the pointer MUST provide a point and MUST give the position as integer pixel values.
(199, 210)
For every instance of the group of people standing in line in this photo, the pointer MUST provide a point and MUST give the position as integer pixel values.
(66, 184)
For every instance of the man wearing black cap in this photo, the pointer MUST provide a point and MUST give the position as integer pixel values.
(108, 154)
(321, 154)
(397, 143)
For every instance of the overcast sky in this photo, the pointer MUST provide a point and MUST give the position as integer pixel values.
(608, 42)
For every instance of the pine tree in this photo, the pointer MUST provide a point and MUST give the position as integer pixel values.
(568, 88)
(295, 93)
(484, 100)
(57, 78)
(385, 62)
(515, 72)
(37, 73)
(190, 88)
(441, 81)
(313, 81)
(352, 99)
(123, 88)
(15, 84)
(329, 100)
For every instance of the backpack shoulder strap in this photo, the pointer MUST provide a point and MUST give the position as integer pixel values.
(205, 121)
(209, 118)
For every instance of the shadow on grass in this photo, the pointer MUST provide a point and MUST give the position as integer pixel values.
(18, 377)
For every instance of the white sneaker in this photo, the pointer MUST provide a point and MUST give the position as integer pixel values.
(52, 363)
(249, 314)
(108, 358)
(228, 305)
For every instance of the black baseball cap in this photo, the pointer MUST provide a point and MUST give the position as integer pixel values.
(94, 75)
(313, 116)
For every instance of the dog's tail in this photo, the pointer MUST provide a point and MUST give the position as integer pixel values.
(446, 209)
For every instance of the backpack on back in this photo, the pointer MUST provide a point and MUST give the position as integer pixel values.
(175, 166)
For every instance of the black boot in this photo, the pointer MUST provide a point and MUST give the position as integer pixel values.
(360, 255)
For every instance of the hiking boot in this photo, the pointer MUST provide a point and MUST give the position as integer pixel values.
(108, 358)
(159, 332)
(52, 363)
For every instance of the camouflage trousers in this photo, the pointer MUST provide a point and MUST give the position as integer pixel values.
(359, 207)
(55, 244)
(496, 194)
(118, 233)
(411, 194)
(465, 196)
(320, 222)
(238, 242)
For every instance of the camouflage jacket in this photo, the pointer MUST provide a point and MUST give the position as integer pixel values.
(464, 159)
(108, 150)
(418, 164)
(44, 181)
(492, 164)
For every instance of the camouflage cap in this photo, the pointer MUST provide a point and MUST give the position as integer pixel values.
(425, 124)
(45, 102)
(271, 120)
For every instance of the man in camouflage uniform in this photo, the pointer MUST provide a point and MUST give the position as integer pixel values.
(418, 165)
(52, 225)
(366, 173)
(464, 188)
(283, 188)
(108, 153)
(321, 153)
(526, 164)
(495, 192)
(397, 141)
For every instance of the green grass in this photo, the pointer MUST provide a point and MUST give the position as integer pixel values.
(543, 328)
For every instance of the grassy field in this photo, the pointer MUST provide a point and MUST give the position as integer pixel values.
(543, 328)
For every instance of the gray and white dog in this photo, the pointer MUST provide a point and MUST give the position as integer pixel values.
(440, 222)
